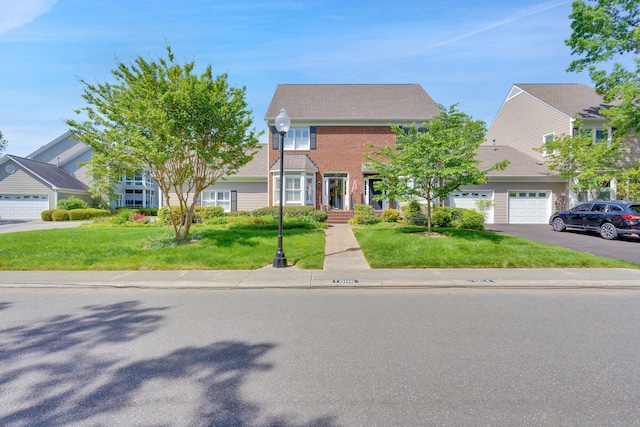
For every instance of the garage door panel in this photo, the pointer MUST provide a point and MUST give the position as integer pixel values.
(467, 200)
(529, 207)
(22, 206)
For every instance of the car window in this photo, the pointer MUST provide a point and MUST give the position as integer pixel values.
(583, 207)
(599, 207)
(615, 208)
(634, 208)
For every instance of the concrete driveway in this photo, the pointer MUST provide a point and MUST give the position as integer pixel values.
(13, 225)
(626, 248)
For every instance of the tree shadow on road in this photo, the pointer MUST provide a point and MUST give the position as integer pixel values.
(71, 369)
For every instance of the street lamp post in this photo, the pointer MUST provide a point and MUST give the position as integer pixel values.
(282, 126)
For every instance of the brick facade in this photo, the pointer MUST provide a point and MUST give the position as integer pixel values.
(340, 149)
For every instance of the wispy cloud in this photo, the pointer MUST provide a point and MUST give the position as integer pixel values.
(523, 13)
(16, 13)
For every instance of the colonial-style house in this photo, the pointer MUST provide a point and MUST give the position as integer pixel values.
(324, 149)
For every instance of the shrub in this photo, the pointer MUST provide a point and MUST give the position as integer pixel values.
(441, 217)
(287, 211)
(364, 215)
(72, 203)
(390, 215)
(60, 215)
(88, 213)
(472, 219)
(238, 213)
(163, 215)
(412, 210)
(318, 215)
(205, 213)
(46, 215)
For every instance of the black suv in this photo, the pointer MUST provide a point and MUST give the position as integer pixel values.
(609, 218)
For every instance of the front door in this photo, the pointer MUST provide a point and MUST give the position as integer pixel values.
(377, 205)
(334, 194)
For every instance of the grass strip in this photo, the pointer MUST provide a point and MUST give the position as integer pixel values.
(410, 247)
(141, 248)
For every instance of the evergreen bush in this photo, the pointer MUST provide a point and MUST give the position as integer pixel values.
(72, 203)
(472, 219)
(46, 215)
(60, 215)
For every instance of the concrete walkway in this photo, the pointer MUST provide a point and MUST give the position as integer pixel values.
(341, 250)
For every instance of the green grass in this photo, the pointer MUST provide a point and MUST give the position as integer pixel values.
(408, 247)
(141, 248)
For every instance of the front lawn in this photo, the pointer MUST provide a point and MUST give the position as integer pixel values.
(143, 248)
(406, 247)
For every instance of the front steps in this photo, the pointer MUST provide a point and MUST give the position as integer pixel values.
(339, 217)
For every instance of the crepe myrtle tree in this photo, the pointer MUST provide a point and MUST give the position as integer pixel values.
(434, 163)
(605, 41)
(187, 130)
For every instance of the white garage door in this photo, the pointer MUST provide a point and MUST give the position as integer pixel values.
(22, 206)
(529, 207)
(468, 199)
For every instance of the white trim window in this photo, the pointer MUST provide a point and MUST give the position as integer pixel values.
(217, 198)
(298, 189)
(599, 133)
(297, 139)
(545, 140)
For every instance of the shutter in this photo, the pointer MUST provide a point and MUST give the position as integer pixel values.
(234, 200)
(275, 139)
(312, 137)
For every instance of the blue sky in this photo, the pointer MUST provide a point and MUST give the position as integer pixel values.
(466, 52)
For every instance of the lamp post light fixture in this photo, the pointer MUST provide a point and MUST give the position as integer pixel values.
(282, 126)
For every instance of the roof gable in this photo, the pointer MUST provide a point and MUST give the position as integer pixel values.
(572, 99)
(390, 102)
(51, 174)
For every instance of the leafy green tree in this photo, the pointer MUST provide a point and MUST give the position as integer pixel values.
(629, 183)
(606, 38)
(589, 165)
(3, 143)
(187, 130)
(434, 163)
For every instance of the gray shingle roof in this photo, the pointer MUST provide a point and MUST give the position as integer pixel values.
(295, 162)
(353, 101)
(521, 164)
(52, 174)
(570, 98)
(257, 167)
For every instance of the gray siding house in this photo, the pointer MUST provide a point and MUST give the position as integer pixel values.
(527, 192)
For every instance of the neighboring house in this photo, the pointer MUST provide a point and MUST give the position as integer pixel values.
(28, 187)
(244, 191)
(58, 171)
(324, 149)
(527, 192)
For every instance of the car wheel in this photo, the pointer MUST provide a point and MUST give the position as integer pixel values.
(608, 231)
(558, 224)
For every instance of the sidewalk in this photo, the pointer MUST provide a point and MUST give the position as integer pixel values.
(345, 267)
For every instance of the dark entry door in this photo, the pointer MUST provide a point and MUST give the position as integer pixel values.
(377, 205)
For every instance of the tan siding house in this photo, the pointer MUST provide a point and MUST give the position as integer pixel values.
(527, 192)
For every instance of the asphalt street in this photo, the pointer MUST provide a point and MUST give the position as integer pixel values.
(320, 357)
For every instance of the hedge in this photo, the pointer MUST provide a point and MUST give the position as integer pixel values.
(88, 213)
(46, 215)
(60, 215)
